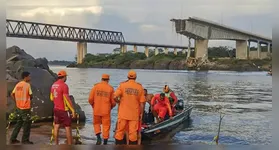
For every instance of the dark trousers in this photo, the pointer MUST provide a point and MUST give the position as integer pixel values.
(23, 120)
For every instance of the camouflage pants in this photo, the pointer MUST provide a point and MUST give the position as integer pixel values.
(23, 120)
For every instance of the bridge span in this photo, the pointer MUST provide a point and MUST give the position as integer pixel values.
(202, 31)
(44, 31)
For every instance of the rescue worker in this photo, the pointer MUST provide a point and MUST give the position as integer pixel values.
(131, 104)
(171, 96)
(102, 101)
(62, 105)
(160, 105)
(148, 97)
(147, 116)
(22, 95)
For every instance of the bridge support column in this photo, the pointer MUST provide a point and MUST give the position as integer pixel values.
(146, 51)
(156, 51)
(259, 50)
(166, 51)
(123, 48)
(189, 49)
(81, 51)
(248, 49)
(268, 48)
(241, 49)
(175, 51)
(135, 49)
(201, 47)
(183, 51)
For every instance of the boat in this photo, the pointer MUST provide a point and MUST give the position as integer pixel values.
(160, 130)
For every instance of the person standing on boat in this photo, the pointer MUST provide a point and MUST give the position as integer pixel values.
(130, 110)
(102, 101)
(171, 96)
(62, 104)
(160, 105)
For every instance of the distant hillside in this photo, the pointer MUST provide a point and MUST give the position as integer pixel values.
(60, 62)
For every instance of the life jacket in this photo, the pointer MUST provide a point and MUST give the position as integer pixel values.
(168, 95)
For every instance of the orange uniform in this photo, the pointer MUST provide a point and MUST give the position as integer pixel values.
(132, 95)
(22, 93)
(162, 106)
(101, 100)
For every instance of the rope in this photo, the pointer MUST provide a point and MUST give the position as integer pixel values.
(52, 133)
(78, 140)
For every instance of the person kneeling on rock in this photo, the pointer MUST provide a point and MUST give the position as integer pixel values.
(22, 94)
(62, 104)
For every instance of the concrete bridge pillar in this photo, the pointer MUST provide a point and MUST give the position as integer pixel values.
(123, 48)
(241, 49)
(81, 51)
(166, 51)
(268, 48)
(189, 48)
(259, 50)
(146, 51)
(156, 51)
(201, 47)
(248, 49)
(175, 51)
(183, 51)
(135, 49)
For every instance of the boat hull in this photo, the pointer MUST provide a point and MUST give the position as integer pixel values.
(166, 128)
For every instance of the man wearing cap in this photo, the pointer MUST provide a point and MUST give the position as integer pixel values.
(131, 103)
(160, 105)
(22, 94)
(102, 101)
(62, 104)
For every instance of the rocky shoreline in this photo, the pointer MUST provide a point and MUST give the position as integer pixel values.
(42, 78)
(217, 64)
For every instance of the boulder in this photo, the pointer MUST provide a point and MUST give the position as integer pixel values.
(42, 79)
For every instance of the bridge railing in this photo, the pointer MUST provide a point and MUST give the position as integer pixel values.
(24, 29)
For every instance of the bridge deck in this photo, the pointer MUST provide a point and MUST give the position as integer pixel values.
(228, 28)
(44, 31)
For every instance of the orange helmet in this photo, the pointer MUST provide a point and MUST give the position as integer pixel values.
(166, 89)
(105, 76)
(62, 73)
(132, 74)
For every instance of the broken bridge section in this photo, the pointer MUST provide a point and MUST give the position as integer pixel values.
(202, 31)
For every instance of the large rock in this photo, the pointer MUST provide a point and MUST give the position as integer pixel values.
(41, 80)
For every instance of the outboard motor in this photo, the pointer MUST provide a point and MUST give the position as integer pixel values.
(179, 105)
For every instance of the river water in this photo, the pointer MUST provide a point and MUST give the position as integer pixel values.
(246, 99)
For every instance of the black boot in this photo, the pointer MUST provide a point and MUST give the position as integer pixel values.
(105, 141)
(133, 142)
(99, 139)
(125, 140)
(118, 142)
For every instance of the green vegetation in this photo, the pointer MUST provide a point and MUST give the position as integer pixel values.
(218, 55)
(60, 62)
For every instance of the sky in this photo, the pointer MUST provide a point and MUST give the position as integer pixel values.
(139, 20)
